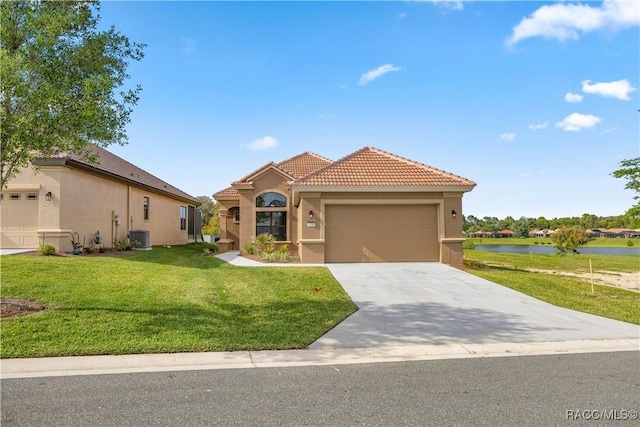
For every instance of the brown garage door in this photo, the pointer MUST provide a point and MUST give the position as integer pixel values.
(381, 233)
(19, 220)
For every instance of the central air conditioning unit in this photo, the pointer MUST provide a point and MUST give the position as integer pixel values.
(141, 236)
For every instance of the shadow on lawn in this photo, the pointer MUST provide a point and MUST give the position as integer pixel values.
(192, 255)
(222, 327)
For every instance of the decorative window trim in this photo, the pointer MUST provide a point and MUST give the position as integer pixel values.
(32, 196)
(14, 196)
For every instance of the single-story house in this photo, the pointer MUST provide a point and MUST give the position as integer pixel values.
(503, 233)
(55, 198)
(541, 233)
(612, 232)
(480, 233)
(370, 206)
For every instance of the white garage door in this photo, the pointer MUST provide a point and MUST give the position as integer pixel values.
(19, 221)
(381, 233)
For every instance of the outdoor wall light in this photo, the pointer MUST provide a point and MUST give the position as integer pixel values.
(453, 213)
(310, 214)
(48, 196)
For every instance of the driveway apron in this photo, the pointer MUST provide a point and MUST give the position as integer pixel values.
(432, 303)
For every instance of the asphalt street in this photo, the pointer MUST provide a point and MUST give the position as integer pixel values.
(573, 389)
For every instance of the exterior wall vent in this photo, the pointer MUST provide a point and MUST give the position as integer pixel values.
(141, 236)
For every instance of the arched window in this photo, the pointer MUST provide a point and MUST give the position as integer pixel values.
(271, 200)
(271, 218)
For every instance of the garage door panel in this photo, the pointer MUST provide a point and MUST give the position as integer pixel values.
(19, 221)
(381, 233)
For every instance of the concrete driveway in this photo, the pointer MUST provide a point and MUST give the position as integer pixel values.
(432, 303)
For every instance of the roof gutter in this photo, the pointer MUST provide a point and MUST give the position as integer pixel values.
(113, 177)
(296, 190)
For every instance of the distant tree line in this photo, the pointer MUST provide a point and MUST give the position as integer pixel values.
(522, 226)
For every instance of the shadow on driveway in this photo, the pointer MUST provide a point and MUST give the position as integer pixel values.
(431, 303)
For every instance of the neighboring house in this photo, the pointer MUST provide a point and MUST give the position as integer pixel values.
(68, 195)
(503, 233)
(540, 233)
(480, 233)
(612, 232)
(370, 206)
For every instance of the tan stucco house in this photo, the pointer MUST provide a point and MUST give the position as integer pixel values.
(55, 197)
(370, 206)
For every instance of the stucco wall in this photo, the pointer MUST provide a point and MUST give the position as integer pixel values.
(450, 229)
(85, 204)
(307, 235)
(269, 181)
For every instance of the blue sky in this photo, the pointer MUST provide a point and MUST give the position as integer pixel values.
(535, 101)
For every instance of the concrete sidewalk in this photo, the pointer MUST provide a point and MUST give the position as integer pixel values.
(370, 332)
(100, 365)
(234, 258)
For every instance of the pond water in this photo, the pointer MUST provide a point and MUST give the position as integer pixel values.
(549, 249)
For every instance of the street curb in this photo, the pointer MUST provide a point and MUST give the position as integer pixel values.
(132, 363)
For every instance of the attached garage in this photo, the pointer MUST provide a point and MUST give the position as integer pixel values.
(20, 219)
(381, 233)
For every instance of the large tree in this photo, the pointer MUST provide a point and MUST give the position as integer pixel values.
(210, 215)
(630, 170)
(62, 81)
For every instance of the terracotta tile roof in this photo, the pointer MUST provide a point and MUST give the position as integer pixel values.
(304, 164)
(366, 167)
(227, 192)
(112, 165)
(248, 179)
(373, 167)
(296, 167)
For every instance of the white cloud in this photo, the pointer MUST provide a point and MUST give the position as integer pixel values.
(573, 97)
(576, 122)
(620, 89)
(510, 136)
(402, 15)
(188, 45)
(263, 144)
(539, 126)
(370, 76)
(564, 21)
(449, 4)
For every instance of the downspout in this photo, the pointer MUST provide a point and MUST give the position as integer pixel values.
(130, 222)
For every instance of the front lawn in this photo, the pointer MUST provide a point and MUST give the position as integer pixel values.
(165, 300)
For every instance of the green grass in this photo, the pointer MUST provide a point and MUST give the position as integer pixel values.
(509, 270)
(600, 242)
(165, 300)
(577, 263)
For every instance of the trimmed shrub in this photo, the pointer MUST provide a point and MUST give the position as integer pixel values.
(468, 244)
(125, 245)
(47, 249)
